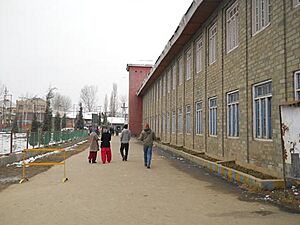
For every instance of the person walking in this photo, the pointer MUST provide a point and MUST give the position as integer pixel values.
(94, 147)
(105, 146)
(125, 138)
(147, 136)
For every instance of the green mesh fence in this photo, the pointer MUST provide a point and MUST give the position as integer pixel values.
(48, 138)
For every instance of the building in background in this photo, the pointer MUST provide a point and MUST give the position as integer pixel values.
(137, 74)
(26, 108)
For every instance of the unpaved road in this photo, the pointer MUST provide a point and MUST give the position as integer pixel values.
(171, 192)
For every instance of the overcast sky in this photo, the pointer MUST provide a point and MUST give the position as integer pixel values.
(71, 43)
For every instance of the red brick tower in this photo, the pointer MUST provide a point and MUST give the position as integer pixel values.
(137, 73)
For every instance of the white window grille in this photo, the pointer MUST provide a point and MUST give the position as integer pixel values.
(198, 125)
(213, 116)
(260, 15)
(163, 123)
(180, 72)
(168, 122)
(297, 85)
(263, 110)
(169, 80)
(188, 119)
(174, 76)
(173, 122)
(212, 32)
(233, 114)
(189, 64)
(232, 27)
(179, 122)
(199, 52)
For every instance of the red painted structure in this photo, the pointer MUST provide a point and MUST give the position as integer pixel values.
(137, 73)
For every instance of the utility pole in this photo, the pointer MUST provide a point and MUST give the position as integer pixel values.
(123, 107)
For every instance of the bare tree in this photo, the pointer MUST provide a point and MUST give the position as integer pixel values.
(61, 102)
(113, 105)
(88, 97)
(105, 104)
(2, 88)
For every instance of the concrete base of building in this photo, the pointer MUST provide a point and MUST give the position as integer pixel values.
(227, 173)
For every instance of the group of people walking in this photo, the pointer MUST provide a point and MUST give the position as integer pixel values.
(147, 136)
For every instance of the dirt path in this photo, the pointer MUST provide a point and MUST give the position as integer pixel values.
(128, 193)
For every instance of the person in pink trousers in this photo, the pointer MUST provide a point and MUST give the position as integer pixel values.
(105, 146)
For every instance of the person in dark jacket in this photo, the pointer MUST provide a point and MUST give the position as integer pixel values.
(147, 137)
(105, 146)
(125, 138)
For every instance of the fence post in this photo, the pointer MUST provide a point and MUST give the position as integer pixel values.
(11, 141)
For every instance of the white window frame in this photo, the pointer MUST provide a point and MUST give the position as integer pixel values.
(173, 122)
(174, 76)
(188, 116)
(180, 121)
(296, 3)
(233, 114)
(180, 70)
(168, 122)
(188, 70)
(169, 77)
(213, 116)
(163, 123)
(212, 45)
(199, 52)
(198, 120)
(260, 15)
(264, 130)
(232, 27)
(297, 85)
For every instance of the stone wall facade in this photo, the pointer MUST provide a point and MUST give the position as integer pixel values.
(260, 69)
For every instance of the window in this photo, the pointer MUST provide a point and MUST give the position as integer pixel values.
(173, 122)
(179, 120)
(188, 64)
(169, 81)
(168, 122)
(296, 2)
(163, 123)
(233, 114)
(162, 86)
(199, 50)
(213, 116)
(262, 110)
(212, 32)
(198, 124)
(260, 15)
(157, 91)
(232, 27)
(180, 72)
(174, 76)
(188, 119)
(297, 85)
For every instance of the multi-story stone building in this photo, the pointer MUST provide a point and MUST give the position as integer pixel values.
(219, 82)
(26, 108)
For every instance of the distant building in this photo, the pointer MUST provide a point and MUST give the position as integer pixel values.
(25, 110)
(137, 74)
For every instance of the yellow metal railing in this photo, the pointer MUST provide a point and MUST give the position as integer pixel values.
(24, 164)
